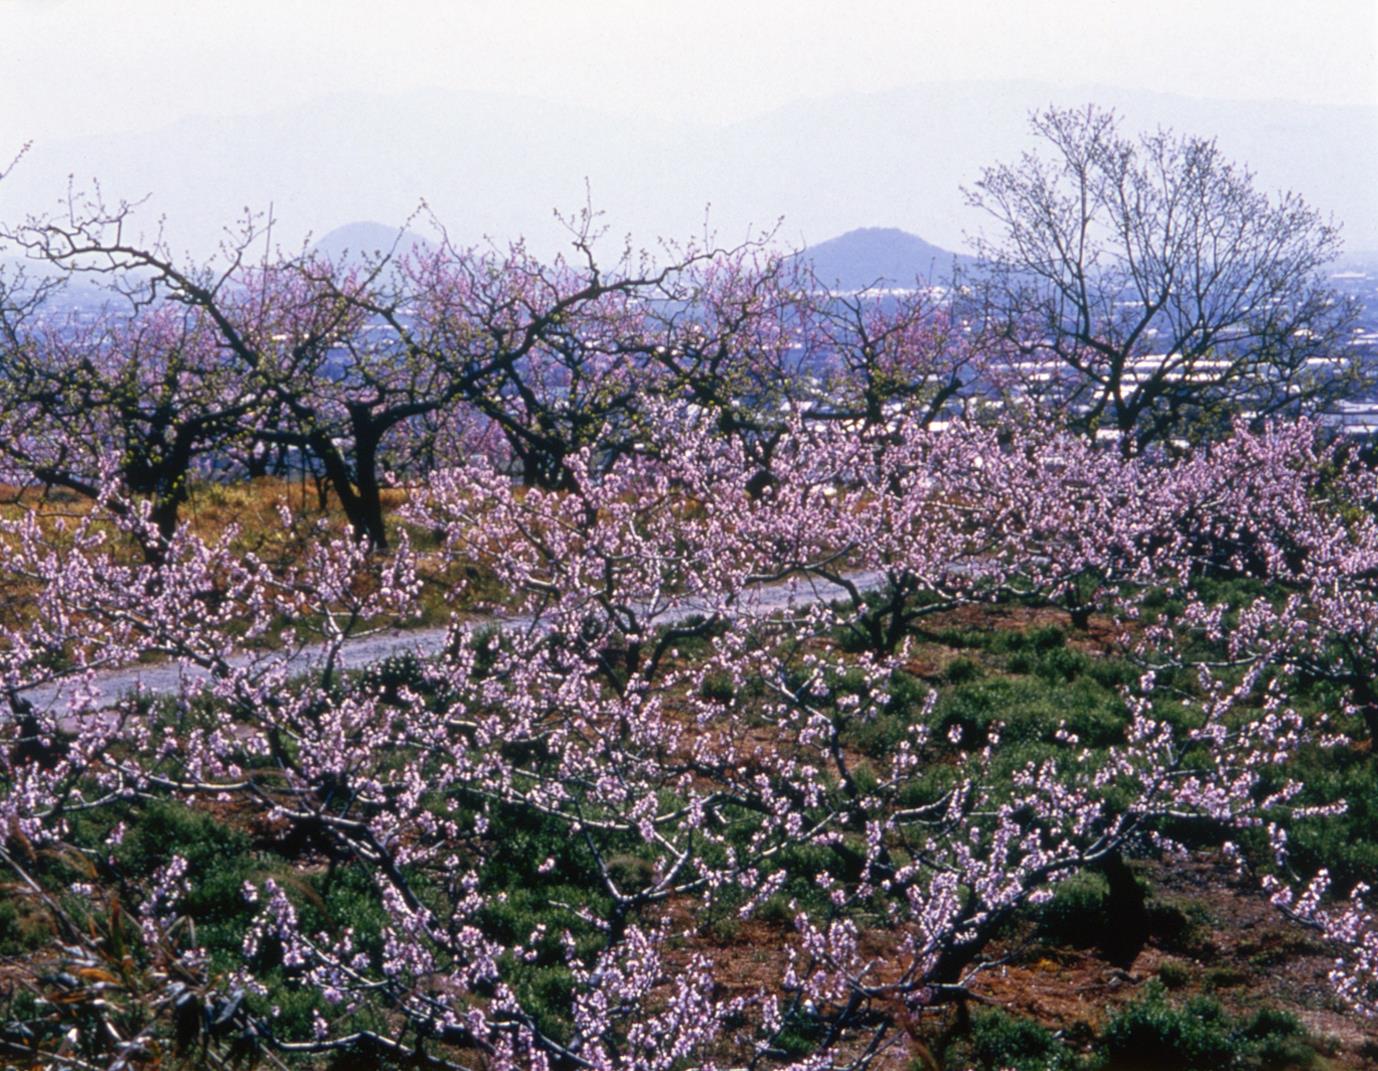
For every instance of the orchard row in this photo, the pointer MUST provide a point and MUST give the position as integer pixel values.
(538, 828)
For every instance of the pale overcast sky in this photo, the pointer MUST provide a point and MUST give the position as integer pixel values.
(826, 115)
(88, 66)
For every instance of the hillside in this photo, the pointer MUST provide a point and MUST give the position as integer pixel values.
(366, 238)
(822, 164)
(879, 257)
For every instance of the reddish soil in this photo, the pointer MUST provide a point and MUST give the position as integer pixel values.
(1241, 951)
(1238, 949)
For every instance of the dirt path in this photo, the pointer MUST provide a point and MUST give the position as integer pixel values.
(170, 678)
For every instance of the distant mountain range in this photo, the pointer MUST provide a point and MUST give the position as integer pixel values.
(879, 257)
(365, 239)
(866, 258)
(493, 165)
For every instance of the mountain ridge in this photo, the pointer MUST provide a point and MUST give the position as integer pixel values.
(495, 165)
(361, 239)
(878, 257)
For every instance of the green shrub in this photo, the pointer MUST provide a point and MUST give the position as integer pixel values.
(1224, 978)
(1078, 912)
(1112, 673)
(546, 992)
(717, 687)
(392, 673)
(23, 926)
(1197, 1035)
(1174, 974)
(1000, 1041)
(879, 735)
(1184, 927)
(1037, 640)
(1031, 709)
(1153, 1034)
(220, 860)
(977, 638)
(1061, 664)
(1279, 1041)
(961, 670)
(1021, 662)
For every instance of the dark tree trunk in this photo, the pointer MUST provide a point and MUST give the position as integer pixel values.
(1127, 922)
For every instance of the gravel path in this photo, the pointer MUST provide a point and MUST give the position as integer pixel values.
(170, 678)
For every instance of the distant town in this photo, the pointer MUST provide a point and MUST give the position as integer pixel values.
(880, 263)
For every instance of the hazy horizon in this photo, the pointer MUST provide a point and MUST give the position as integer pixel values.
(829, 119)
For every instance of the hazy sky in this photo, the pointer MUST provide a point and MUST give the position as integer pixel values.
(87, 66)
(171, 100)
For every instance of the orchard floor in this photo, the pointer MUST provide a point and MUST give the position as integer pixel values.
(1214, 933)
(1235, 946)
(1222, 939)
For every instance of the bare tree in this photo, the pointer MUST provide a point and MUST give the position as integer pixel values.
(141, 395)
(1150, 289)
(295, 352)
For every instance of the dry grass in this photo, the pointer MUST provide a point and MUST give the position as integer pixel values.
(275, 519)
